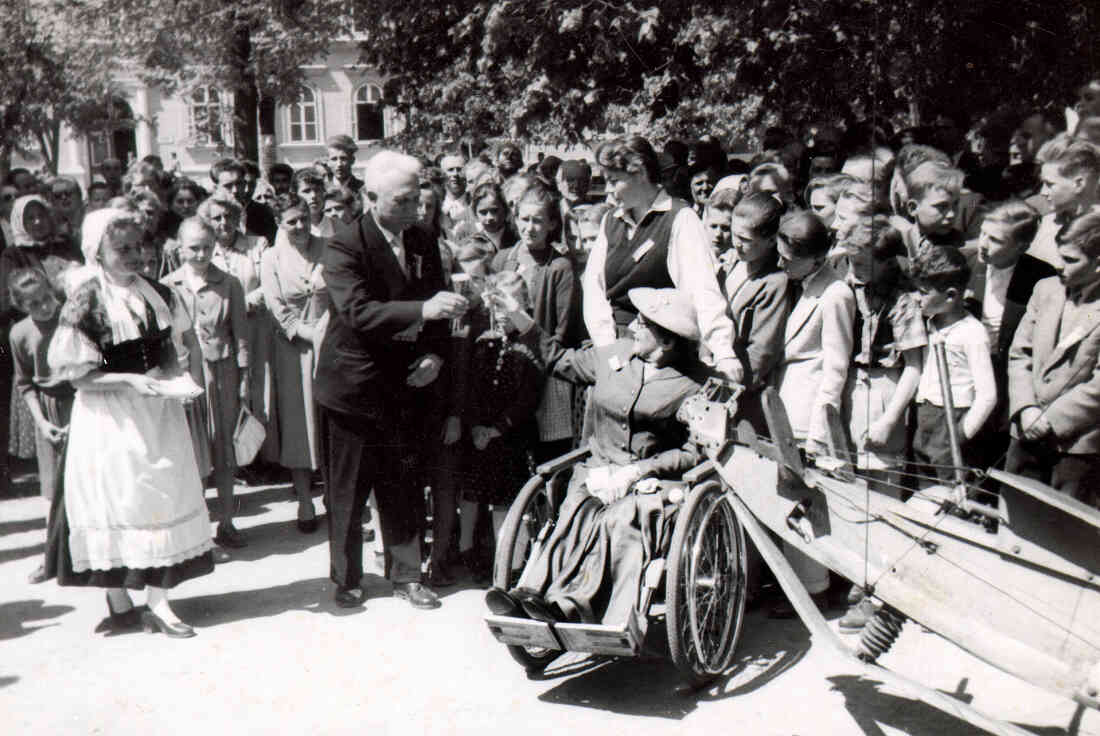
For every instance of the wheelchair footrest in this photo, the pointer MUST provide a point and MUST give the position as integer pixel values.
(624, 640)
(523, 632)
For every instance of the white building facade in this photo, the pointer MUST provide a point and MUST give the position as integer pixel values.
(192, 128)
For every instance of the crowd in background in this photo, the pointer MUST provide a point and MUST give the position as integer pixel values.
(887, 242)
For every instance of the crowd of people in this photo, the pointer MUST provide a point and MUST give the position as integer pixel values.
(451, 321)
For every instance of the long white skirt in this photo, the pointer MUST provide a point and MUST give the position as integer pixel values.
(133, 495)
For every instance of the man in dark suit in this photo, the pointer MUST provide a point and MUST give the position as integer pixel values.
(375, 378)
(1003, 277)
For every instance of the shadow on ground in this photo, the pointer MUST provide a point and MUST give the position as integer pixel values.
(652, 686)
(15, 616)
(871, 708)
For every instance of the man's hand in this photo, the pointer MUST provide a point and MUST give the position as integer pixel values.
(732, 369)
(444, 305)
(482, 436)
(424, 370)
(452, 430)
(254, 300)
(879, 432)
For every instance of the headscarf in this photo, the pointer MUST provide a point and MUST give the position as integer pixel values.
(125, 303)
(20, 237)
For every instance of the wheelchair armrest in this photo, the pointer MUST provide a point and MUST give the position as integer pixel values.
(699, 472)
(550, 467)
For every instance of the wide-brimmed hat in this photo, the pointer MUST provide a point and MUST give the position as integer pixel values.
(669, 308)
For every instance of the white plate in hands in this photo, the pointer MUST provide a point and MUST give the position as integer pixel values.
(181, 387)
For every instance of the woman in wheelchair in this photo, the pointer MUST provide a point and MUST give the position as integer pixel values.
(612, 522)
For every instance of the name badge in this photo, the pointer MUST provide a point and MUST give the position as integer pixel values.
(643, 249)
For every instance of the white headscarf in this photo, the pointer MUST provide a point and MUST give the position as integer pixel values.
(19, 235)
(125, 303)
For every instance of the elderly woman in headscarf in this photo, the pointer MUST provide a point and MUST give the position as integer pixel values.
(590, 569)
(38, 244)
(131, 514)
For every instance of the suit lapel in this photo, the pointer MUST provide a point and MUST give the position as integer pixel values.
(1087, 324)
(375, 239)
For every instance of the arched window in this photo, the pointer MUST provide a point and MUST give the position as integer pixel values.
(210, 117)
(370, 118)
(302, 121)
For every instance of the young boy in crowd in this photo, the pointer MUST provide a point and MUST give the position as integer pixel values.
(1069, 183)
(1054, 372)
(98, 196)
(934, 191)
(589, 219)
(941, 274)
(1001, 283)
(717, 219)
(340, 205)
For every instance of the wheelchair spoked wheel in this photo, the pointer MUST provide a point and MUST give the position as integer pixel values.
(706, 585)
(532, 511)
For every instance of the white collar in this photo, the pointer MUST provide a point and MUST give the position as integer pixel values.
(661, 203)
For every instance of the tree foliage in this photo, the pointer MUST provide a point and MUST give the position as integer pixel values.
(49, 75)
(253, 48)
(561, 70)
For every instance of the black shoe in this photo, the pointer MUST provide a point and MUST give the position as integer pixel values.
(153, 623)
(229, 536)
(308, 526)
(417, 595)
(502, 604)
(541, 609)
(784, 609)
(119, 622)
(349, 597)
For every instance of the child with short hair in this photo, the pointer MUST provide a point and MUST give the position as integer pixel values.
(1054, 372)
(49, 400)
(214, 300)
(1069, 178)
(934, 190)
(717, 217)
(822, 194)
(941, 275)
(589, 219)
(495, 403)
(340, 205)
(99, 194)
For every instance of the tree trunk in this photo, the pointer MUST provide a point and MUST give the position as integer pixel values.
(246, 101)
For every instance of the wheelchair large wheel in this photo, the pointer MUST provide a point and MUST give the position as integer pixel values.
(530, 518)
(706, 585)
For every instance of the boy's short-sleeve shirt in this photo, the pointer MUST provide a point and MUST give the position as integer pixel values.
(962, 340)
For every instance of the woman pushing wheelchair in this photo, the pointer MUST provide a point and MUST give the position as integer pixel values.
(611, 522)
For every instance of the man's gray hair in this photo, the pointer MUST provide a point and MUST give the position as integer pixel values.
(386, 167)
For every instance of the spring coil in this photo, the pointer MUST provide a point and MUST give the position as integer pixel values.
(880, 633)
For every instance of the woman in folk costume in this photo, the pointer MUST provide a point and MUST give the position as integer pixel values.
(131, 514)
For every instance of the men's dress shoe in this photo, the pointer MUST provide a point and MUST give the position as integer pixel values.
(228, 536)
(349, 597)
(417, 595)
(540, 609)
(153, 623)
(784, 609)
(503, 604)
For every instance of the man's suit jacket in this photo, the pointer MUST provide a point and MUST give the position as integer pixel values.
(260, 220)
(816, 353)
(376, 330)
(1028, 272)
(1058, 373)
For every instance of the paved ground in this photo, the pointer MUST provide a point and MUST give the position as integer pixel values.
(274, 656)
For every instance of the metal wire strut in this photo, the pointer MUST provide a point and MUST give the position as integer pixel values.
(880, 633)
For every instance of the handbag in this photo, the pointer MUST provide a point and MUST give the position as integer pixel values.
(248, 436)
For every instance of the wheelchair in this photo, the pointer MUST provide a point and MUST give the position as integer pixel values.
(697, 585)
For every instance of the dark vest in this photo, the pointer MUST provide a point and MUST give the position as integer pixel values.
(154, 349)
(634, 262)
